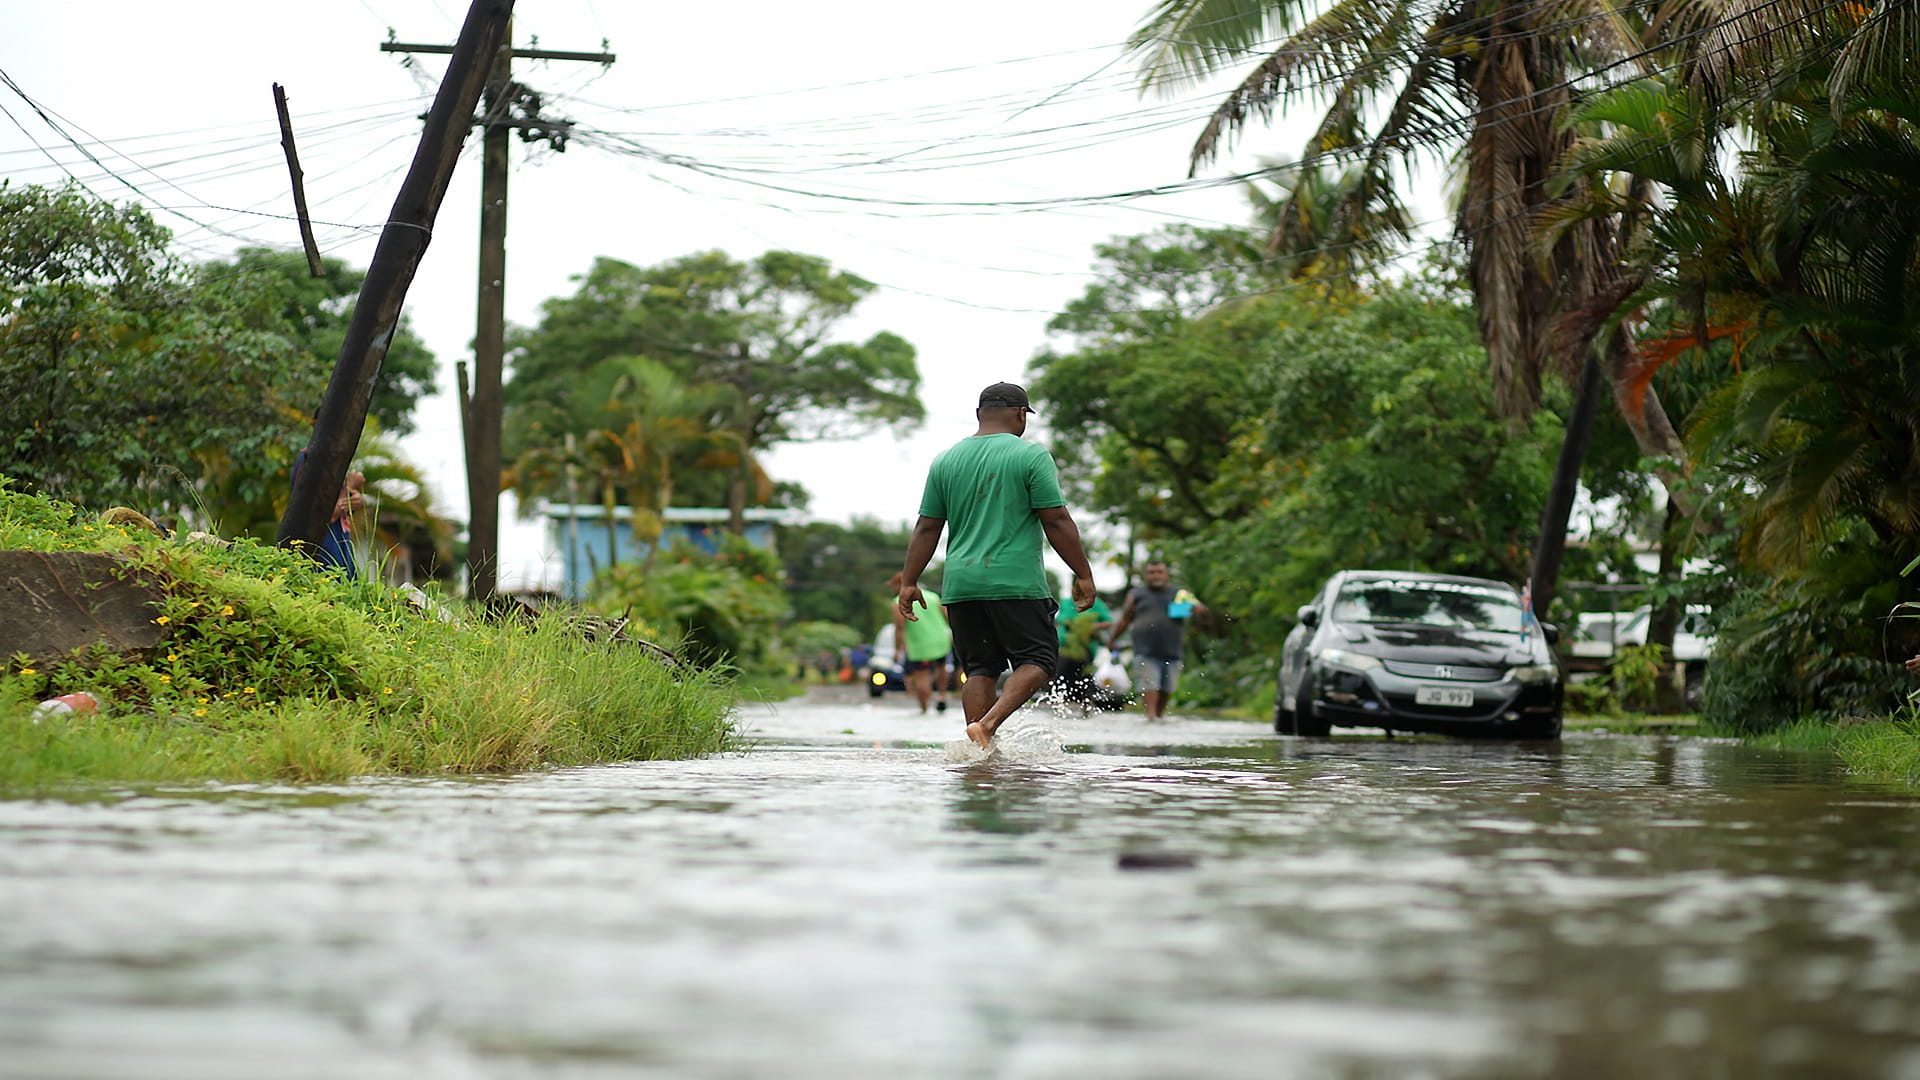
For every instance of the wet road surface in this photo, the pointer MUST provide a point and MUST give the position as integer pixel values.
(853, 897)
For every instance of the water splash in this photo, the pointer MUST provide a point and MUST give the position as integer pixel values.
(1025, 739)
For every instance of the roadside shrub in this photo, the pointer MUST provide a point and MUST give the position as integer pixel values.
(1791, 650)
(726, 608)
(275, 668)
(1635, 673)
(1591, 697)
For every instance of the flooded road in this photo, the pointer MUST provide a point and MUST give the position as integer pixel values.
(851, 898)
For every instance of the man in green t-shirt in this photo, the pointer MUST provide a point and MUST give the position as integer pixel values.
(921, 647)
(1001, 495)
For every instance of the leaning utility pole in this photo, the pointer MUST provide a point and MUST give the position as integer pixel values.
(343, 411)
(509, 107)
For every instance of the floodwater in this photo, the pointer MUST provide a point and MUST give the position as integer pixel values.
(853, 898)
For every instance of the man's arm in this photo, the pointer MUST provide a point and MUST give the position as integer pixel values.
(920, 548)
(1064, 535)
(1120, 625)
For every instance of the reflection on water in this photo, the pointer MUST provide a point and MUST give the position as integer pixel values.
(854, 905)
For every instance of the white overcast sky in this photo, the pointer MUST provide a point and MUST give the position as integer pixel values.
(997, 101)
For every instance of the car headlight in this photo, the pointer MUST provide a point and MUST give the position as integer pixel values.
(1351, 660)
(1534, 673)
(879, 678)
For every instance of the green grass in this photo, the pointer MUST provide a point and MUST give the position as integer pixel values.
(1888, 752)
(1885, 750)
(275, 669)
(1805, 735)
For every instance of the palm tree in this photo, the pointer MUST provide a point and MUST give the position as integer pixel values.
(1809, 261)
(1487, 82)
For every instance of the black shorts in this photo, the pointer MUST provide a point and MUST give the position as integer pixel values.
(989, 636)
(926, 665)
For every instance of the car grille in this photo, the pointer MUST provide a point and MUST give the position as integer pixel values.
(1454, 672)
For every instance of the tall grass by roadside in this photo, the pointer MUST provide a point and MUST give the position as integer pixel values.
(1886, 750)
(273, 668)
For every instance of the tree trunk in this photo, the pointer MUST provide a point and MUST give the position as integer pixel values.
(1552, 542)
(737, 495)
(613, 531)
(1669, 695)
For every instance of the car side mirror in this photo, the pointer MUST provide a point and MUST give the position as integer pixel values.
(1550, 632)
(1309, 616)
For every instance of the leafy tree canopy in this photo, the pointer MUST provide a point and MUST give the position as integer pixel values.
(126, 376)
(1288, 432)
(314, 312)
(838, 573)
(761, 329)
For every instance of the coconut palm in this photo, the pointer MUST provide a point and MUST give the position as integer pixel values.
(1809, 261)
(1484, 84)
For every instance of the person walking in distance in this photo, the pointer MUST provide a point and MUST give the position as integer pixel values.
(1157, 613)
(921, 647)
(1001, 494)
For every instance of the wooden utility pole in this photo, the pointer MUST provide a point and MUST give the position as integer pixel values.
(509, 107)
(343, 412)
(307, 244)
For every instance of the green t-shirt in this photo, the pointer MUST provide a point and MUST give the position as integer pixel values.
(927, 636)
(1064, 619)
(987, 488)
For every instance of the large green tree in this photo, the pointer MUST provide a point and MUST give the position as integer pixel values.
(1271, 438)
(838, 573)
(126, 376)
(284, 297)
(763, 330)
(1149, 401)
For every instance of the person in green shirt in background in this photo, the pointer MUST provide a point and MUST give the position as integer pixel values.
(921, 646)
(1079, 636)
(1001, 495)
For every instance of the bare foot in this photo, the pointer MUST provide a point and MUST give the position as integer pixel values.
(979, 735)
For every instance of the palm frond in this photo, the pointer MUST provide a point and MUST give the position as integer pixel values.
(1354, 44)
(1185, 40)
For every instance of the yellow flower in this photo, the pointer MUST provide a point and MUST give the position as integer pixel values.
(193, 603)
(171, 657)
(166, 678)
(228, 694)
(29, 671)
(386, 689)
(248, 690)
(199, 712)
(163, 620)
(226, 609)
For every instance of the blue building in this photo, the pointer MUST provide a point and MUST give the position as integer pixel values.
(579, 533)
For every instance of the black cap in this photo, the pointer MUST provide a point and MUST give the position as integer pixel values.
(1005, 395)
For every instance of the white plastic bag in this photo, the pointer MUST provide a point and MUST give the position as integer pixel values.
(1108, 672)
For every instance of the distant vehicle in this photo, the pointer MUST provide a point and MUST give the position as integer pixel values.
(1601, 632)
(1418, 652)
(880, 674)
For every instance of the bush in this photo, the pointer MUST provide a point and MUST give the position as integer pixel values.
(1591, 697)
(1811, 647)
(275, 668)
(726, 608)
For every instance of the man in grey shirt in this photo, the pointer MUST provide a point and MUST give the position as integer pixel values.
(1157, 613)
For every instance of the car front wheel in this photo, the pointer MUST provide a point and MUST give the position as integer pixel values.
(1305, 722)
(1546, 727)
(1282, 719)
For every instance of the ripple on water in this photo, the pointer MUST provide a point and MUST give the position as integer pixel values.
(865, 895)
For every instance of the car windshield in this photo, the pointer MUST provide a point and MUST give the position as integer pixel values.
(1455, 604)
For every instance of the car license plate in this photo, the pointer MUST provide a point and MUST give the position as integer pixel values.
(1455, 696)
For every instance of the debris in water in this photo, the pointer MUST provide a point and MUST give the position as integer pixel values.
(1156, 860)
